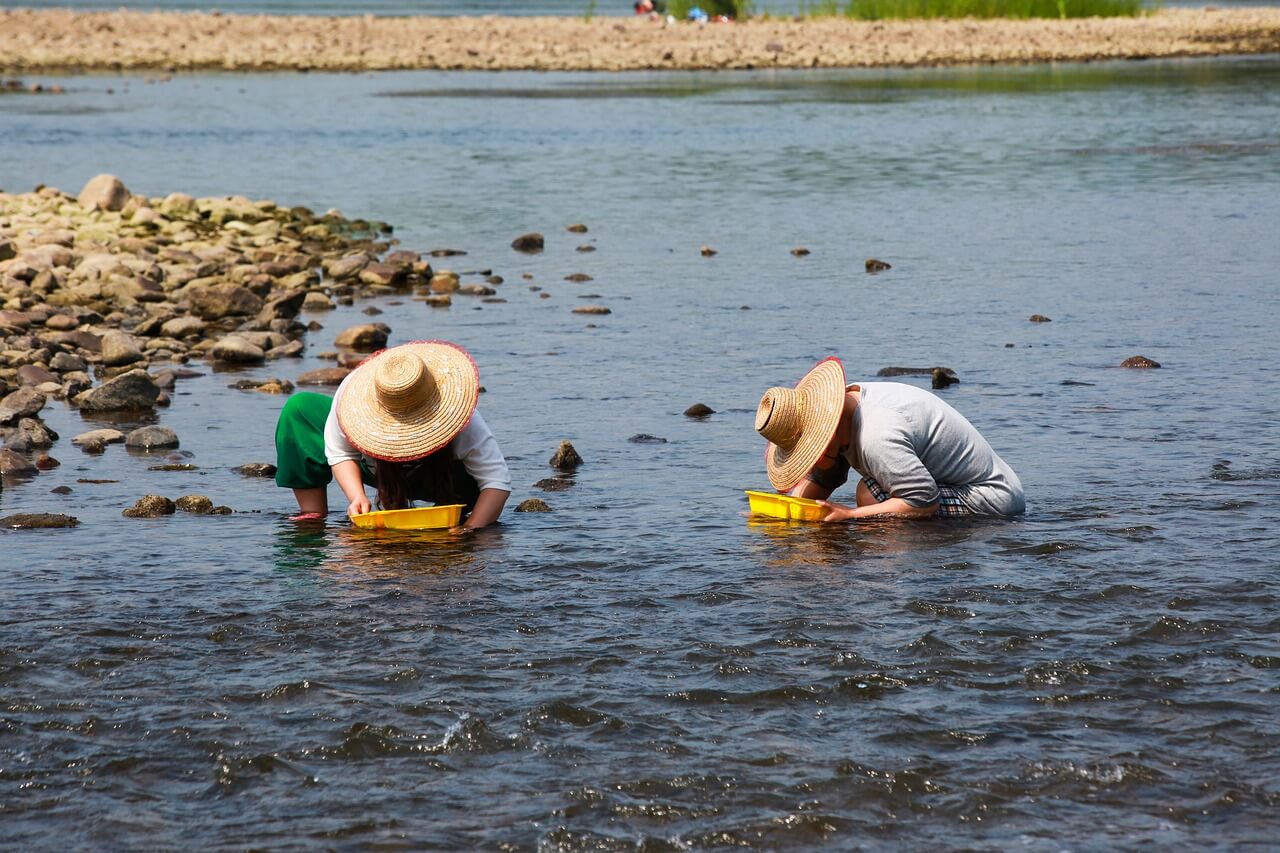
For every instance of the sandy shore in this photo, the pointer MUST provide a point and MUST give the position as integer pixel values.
(58, 39)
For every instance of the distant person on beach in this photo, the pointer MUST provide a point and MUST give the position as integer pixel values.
(917, 456)
(405, 422)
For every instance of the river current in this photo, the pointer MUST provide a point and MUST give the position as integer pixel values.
(645, 667)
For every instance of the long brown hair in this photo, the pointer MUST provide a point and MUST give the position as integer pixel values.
(430, 478)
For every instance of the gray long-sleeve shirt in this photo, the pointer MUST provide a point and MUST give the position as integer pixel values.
(911, 442)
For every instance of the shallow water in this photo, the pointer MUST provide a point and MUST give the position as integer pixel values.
(644, 667)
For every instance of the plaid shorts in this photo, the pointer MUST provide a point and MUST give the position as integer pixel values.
(949, 503)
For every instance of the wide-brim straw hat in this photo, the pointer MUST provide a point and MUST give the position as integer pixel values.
(799, 422)
(409, 401)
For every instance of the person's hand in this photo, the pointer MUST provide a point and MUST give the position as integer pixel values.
(359, 506)
(461, 530)
(836, 512)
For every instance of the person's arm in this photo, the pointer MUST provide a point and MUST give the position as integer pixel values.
(892, 508)
(488, 507)
(479, 452)
(347, 473)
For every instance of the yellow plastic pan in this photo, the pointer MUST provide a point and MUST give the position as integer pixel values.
(420, 518)
(785, 506)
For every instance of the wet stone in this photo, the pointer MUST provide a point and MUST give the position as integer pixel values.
(60, 490)
(554, 484)
(576, 228)
(152, 438)
(1140, 362)
(366, 337)
(646, 438)
(875, 265)
(913, 371)
(196, 504)
(150, 506)
(45, 462)
(941, 378)
(533, 505)
(529, 243)
(592, 309)
(324, 376)
(586, 247)
(234, 349)
(708, 252)
(566, 458)
(255, 469)
(23, 403)
(38, 521)
(133, 390)
(800, 251)
(699, 410)
(174, 466)
(1039, 318)
(578, 277)
(14, 464)
(105, 436)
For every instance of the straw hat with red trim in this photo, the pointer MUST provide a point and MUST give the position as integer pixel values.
(799, 422)
(406, 402)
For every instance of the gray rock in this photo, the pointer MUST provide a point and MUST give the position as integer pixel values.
(234, 349)
(284, 307)
(554, 484)
(344, 268)
(133, 390)
(14, 464)
(181, 327)
(699, 410)
(22, 403)
(293, 349)
(324, 376)
(255, 469)
(533, 505)
(223, 300)
(105, 436)
(32, 374)
(65, 362)
(366, 337)
(104, 192)
(152, 438)
(317, 301)
(119, 349)
(150, 506)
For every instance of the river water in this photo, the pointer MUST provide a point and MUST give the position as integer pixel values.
(645, 667)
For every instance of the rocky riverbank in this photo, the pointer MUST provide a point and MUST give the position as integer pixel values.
(55, 40)
(107, 297)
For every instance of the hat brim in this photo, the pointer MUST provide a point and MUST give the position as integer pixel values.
(822, 390)
(405, 436)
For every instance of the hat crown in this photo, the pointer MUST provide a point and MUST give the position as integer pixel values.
(402, 382)
(779, 416)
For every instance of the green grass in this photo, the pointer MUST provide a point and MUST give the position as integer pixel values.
(739, 10)
(875, 10)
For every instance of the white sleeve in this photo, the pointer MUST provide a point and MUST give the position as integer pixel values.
(336, 447)
(479, 452)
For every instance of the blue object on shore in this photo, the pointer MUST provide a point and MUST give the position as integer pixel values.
(696, 14)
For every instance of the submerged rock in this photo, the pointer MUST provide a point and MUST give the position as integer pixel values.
(234, 349)
(913, 371)
(592, 309)
(708, 252)
(699, 410)
(1040, 318)
(941, 378)
(197, 504)
(645, 438)
(533, 505)
(104, 436)
(875, 265)
(586, 247)
(554, 484)
(150, 506)
(152, 438)
(324, 376)
(578, 277)
(576, 228)
(529, 243)
(255, 469)
(799, 251)
(565, 458)
(14, 464)
(1140, 361)
(38, 521)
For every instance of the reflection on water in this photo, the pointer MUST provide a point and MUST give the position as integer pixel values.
(646, 666)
